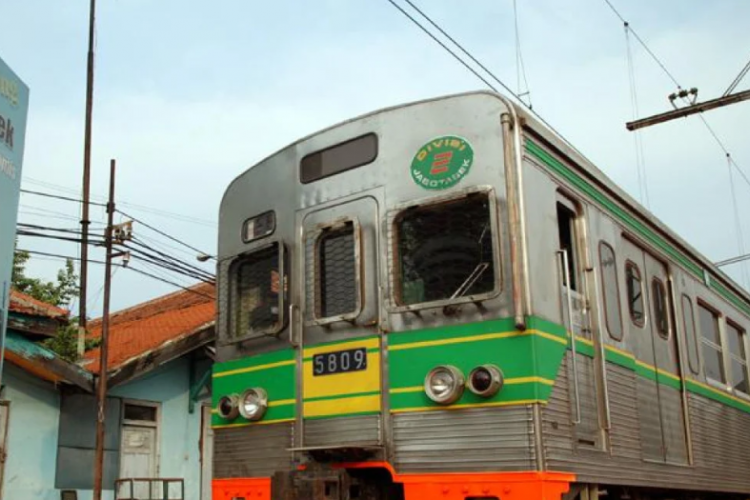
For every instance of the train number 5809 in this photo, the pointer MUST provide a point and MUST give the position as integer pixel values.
(351, 360)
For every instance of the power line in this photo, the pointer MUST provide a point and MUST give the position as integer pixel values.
(59, 197)
(159, 231)
(140, 271)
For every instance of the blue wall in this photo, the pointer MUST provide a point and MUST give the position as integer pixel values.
(179, 431)
(32, 436)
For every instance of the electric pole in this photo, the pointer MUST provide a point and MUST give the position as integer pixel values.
(86, 181)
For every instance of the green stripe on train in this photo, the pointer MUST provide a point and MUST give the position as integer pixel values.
(631, 222)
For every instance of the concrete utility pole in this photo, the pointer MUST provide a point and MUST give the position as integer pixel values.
(85, 222)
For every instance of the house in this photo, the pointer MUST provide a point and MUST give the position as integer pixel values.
(158, 412)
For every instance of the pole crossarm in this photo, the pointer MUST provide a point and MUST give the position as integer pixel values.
(689, 110)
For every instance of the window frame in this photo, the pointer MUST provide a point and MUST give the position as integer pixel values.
(657, 282)
(703, 341)
(607, 319)
(642, 322)
(318, 233)
(233, 295)
(694, 369)
(735, 357)
(393, 217)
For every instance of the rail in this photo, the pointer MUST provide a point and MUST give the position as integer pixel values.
(149, 488)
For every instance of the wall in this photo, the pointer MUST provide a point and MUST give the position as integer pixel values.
(179, 431)
(32, 436)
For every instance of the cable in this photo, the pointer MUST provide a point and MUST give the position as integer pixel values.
(520, 66)
(738, 225)
(162, 233)
(58, 197)
(64, 257)
(640, 162)
(171, 259)
(737, 80)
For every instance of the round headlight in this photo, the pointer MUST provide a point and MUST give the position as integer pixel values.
(444, 384)
(227, 407)
(485, 380)
(253, 404)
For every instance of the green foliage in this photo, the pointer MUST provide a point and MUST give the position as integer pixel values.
(65, 343)
(58, 293)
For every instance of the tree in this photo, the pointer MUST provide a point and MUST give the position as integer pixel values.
(59, 293)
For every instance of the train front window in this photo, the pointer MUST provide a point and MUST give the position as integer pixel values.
(445, 251)
(258, 293)
(336, 281)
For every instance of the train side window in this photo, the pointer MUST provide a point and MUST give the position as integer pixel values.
(336, 277)
(345, 156)
(445, 251)
(738, 357)
(566, 229)
(256, 293)
(613, 314)
(659, 301)
(688, 322)
(634, 287)
(713, 362)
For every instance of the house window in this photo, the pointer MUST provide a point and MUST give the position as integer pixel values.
(688, 322)
(608, 264)
(738, 357)
(337, 276)
(659, 300)
(635, 294)
(713, 362)
(444, 251)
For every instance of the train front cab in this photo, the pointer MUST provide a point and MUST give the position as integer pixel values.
(373, 337)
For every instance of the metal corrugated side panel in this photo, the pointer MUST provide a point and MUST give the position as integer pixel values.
(342, 430)
(252, 451)
(721, 436)
(479, 439)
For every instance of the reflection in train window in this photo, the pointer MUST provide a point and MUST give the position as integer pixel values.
(713, 363)
(445, 251)
(659, 300)
(336, 276)
(608, 263)
(688, 322)
(738, 357)
(566, 230)
(635, 294)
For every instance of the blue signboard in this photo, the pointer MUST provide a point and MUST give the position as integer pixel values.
(14, 103)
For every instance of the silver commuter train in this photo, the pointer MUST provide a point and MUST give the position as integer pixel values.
(444, 300)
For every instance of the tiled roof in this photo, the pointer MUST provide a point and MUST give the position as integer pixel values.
(25, 304)
(145, 327)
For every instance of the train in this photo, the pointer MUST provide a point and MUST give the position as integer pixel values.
(446, 300)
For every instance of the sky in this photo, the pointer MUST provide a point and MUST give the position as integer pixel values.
(190, 94)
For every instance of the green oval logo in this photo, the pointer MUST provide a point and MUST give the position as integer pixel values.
(442, 162)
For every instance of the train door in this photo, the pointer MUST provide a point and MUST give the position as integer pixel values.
(663, 336)
(657, 375)
(574, 305)
(339, 322)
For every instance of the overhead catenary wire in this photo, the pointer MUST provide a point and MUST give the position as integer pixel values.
(520, 66)
(640, 161)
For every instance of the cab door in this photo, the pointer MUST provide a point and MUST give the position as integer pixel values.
(340, 344)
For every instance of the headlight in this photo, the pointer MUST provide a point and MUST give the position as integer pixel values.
(444, 384)
(485, 380)
(228, 407)
(253, 404)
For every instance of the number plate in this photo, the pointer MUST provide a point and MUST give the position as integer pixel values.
(351, 360)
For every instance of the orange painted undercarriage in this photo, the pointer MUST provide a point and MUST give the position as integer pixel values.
(446, 486)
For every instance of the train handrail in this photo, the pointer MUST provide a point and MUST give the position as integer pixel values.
(602, 353)
(568, 290)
